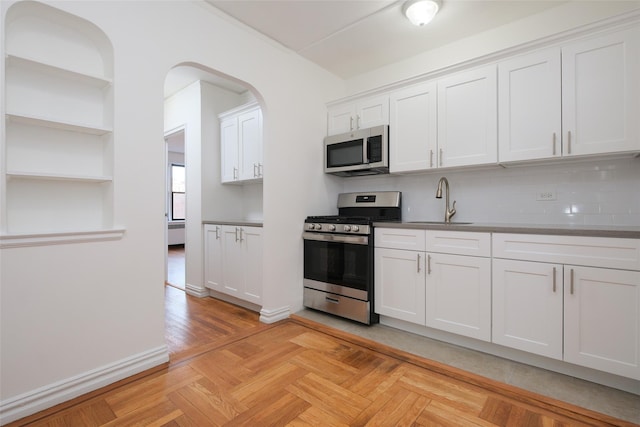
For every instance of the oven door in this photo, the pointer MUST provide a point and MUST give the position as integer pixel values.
(338, 263)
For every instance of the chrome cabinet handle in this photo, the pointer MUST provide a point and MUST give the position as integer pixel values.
(554, 144)
(351, 123)
(259, 170)
(569, 142)
(554, 280)
(358, 121)
(430, 158)
(429, 264)
(418, 263)
(571, 281)
(236, 234)
(241, 231)
(217, 233)
(441, 157)
(235, 173)
(255, 170)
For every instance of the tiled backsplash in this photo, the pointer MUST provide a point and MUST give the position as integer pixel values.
(604, 192)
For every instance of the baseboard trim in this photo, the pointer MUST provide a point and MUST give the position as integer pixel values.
(196, 291)
(273, 316)
(29, 403)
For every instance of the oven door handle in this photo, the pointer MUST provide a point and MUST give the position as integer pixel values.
(340, 238)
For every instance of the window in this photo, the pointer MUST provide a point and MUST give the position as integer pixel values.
(178, 197)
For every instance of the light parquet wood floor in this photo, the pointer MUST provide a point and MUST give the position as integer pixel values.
(228, 369)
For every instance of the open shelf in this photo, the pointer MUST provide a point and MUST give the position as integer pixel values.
(56, 124)
(57, 177)
(53, 70)
(59, 148)
(59, 238)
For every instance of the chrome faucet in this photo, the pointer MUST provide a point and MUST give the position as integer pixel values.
(448, 213)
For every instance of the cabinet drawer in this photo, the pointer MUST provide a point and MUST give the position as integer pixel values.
(400, 238)
(459, 242)
(589, 251)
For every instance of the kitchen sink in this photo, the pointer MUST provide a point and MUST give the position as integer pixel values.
(439, 222)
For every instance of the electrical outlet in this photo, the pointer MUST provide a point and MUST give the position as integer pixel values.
(546, 195)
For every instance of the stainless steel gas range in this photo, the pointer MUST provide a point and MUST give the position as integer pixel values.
(338, 254)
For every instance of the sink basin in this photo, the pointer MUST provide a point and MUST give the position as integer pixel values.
(439, 222)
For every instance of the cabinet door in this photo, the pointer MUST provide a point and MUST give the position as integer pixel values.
(413, 128)
(213, 257)
(602, 319)
(340, 119)
(399, 284)
(527, 306)
(529, 107)
(601, 94)
(250, 144)
(458, 295)
(232, 273)
(372, 112)
(468, 118)
(229, 149)
(252, 265)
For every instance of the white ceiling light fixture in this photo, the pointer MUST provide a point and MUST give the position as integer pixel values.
(421, 12)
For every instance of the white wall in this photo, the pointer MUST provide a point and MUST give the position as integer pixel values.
(72, 310)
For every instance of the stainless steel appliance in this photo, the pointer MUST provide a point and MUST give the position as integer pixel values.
(361, 152)
(338, 254)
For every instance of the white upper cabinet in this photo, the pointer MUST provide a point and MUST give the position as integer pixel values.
(529, 107)
(250, 144)
(229, 148)
(241, 144)
(413, 128)
(574, 100)
(364, 114)
(468, 118)
(601, 94)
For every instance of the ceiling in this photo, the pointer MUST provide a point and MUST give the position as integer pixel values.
(349, 37)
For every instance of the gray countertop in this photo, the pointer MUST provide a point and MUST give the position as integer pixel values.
(629, 232)
(239, 223)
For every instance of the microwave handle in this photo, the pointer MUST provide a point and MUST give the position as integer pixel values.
(365, 150)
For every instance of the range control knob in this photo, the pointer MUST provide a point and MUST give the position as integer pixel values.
(310, 227)
(317, 226)
(347, 228)
(355, 228)
(332, 227)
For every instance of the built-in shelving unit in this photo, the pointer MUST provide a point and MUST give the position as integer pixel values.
(57, 179)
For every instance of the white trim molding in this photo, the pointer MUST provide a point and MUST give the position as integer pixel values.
(29, 403)
(273, 316)
(196, 291)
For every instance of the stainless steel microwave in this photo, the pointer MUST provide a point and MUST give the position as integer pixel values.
(361, 152)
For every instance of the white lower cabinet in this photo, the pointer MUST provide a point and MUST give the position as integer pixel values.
(446, 291)
(233, 261)
(602, 319)
(527, 306)
(571, 298)
(544, 303)
(213, 256)
(458, 295)
(400, 284)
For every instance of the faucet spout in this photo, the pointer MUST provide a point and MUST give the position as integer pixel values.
(448, 213)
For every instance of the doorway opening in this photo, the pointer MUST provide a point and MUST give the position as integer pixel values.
(176, 209)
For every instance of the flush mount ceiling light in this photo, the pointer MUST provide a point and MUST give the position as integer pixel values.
(421, 12)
